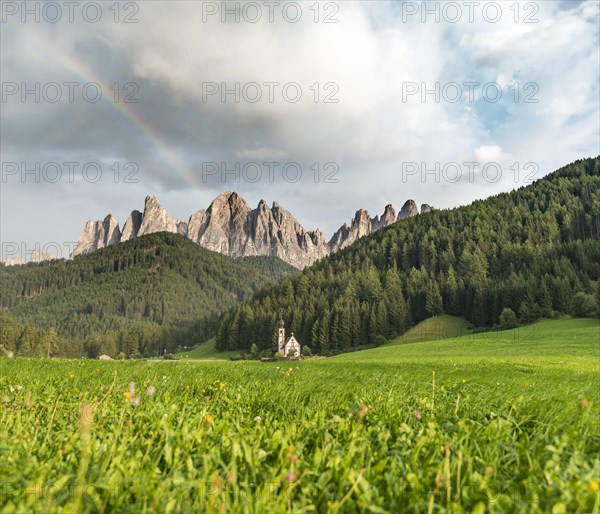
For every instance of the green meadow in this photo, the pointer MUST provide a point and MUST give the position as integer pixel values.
(441, 421)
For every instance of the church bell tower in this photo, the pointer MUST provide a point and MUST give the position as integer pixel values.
(281, 337)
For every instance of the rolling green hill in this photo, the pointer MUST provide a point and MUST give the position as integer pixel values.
(206, 351)
(435, 328)
(534, 251)
(147, 295)
(571, 337)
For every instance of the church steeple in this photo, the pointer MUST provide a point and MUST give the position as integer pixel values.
(281, 337)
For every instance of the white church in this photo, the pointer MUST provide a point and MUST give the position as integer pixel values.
(291, 348)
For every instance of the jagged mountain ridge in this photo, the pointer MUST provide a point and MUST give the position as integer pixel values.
(229, 226)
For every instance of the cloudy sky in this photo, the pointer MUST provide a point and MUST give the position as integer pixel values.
(324, 107)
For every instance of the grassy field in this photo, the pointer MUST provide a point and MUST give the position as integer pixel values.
(497, 422)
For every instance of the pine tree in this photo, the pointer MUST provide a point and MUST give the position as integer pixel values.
(433, 299)
(324, 346)
(451, 292)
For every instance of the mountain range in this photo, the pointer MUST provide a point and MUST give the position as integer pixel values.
(230, 227)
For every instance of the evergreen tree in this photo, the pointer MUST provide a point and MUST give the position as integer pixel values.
(433, 299)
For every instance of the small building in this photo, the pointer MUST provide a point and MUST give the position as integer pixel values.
(289, 348)
(105, 357)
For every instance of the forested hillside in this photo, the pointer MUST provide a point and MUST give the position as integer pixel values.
(148, 295)
(535, 251)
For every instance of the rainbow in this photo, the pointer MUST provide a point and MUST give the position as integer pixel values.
(71, 62)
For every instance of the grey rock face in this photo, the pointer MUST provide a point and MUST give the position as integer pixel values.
(408, 209)
(425, 207)
(231, 227)
(157, 219)
(223, 227)
(388, 217)
(98, 234)
(361, 226)
(132, 226)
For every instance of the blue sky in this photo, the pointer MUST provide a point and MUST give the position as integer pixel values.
(177, 51)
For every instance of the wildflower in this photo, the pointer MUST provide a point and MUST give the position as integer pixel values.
(362, 411)
(463, 381)
(262, 454)
(221, 385)
(71, 376)
(12, 389)
(135, 401)
(290, 476)
(209, 420)
(127, 395)
(75, 390)
(594, 486)
(489, 470)
(290, 449)
(150, 391)
(19, 387)
(583, 404)
(257, 419)
(86, 414)
(417, 415)
(231, 476)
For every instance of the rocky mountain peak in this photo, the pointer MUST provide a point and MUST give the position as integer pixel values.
(388, 217)
(132, 226)
(156, 219)
(389, 214)
(408, 209)
(98, 234)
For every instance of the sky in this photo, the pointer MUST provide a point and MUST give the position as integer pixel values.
(324, 107)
